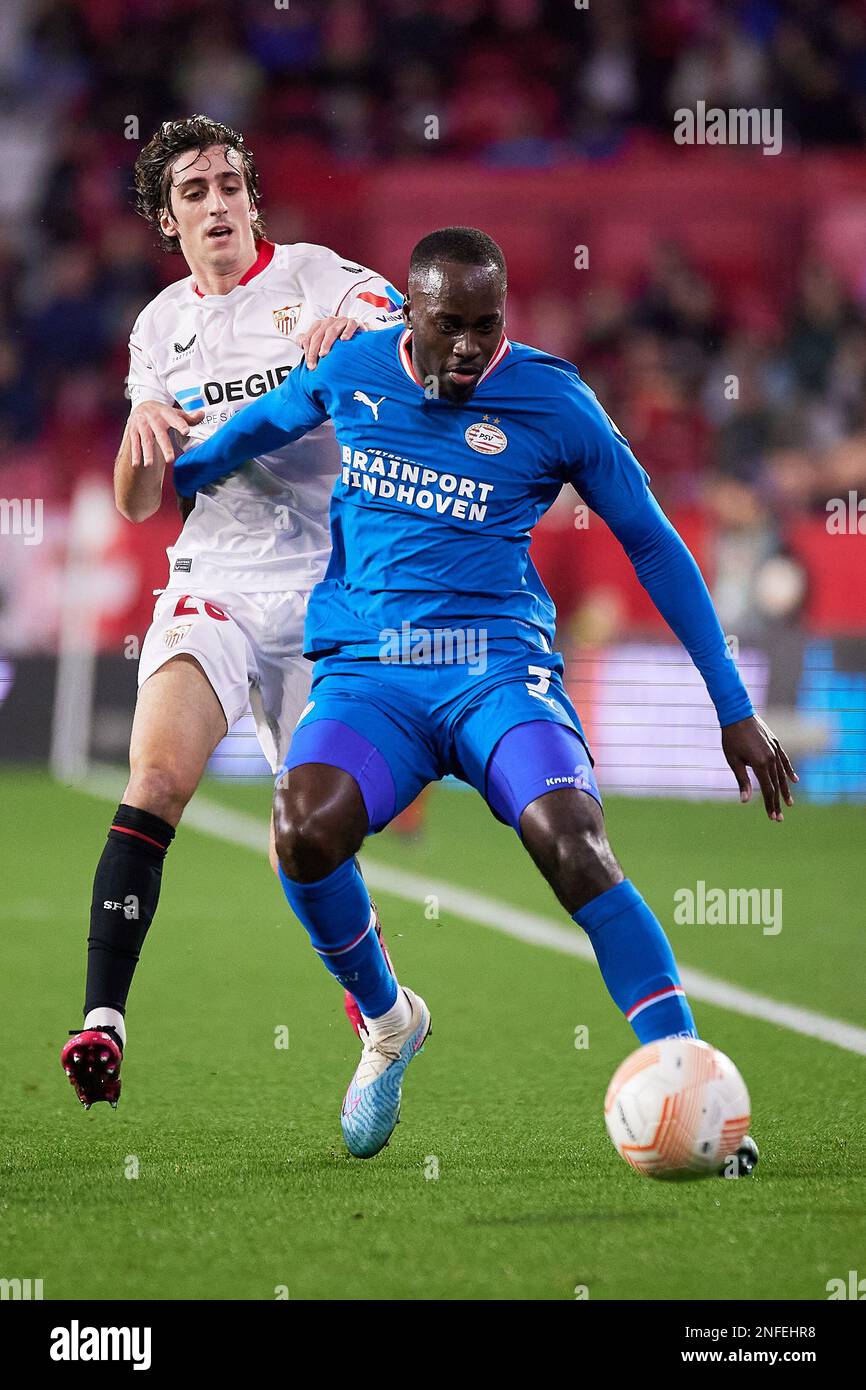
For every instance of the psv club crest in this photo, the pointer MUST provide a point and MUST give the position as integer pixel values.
(286, 319)
(485, 436)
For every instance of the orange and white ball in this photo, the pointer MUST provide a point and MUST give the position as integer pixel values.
(677, 1106)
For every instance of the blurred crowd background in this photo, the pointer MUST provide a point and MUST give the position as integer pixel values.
(719, 310)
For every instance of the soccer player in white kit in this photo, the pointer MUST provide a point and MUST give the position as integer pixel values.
(228, 628)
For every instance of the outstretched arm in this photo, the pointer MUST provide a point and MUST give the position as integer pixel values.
(611, 480)
(667, 570)
(278, 418)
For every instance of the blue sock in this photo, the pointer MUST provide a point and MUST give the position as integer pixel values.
(637, 963)
(336, 911)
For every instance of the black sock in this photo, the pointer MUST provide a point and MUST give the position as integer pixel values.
(125, 895)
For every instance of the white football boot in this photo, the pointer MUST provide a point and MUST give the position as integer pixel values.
(371, 1107)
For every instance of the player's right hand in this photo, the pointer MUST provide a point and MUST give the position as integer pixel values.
(151, 423)
(750, 743)
(320, 337)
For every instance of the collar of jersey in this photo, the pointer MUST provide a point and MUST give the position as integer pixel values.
(261, 262)
(405, 356)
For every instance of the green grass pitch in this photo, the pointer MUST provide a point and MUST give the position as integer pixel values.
(244, 1188)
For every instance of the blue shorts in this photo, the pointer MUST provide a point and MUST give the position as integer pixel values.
(509, 729)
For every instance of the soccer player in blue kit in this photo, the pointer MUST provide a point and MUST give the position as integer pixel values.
(454, 442)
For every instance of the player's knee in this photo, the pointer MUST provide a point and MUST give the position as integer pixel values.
(588, 849)
(311, 840)
(582, 866)
(308, 847)
(577, 850)
(569, 844)
(560, 822)
(162, 791)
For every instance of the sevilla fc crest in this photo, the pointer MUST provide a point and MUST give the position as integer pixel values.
(175, 635)
(286, 319)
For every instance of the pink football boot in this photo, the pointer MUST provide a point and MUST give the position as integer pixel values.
(91, 1060)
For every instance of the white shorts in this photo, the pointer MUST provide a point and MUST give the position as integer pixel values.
(249, 647)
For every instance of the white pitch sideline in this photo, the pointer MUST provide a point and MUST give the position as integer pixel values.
(240, 828)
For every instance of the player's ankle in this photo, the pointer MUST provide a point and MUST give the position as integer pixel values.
(104, 1017)
(394, 1020)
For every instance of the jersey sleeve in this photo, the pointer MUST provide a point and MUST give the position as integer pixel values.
(339, 287)
(278, 418)
(601, 465)
(143, 383)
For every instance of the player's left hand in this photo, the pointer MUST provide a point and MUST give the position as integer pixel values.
(321, 336)
(750, 743)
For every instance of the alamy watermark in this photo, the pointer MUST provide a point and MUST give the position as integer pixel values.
(437, 646)
(732, 907)
(21, 1290)
(854, 1287)
(77, 1343)
(846, 516)
(751, 125)
(22, 516)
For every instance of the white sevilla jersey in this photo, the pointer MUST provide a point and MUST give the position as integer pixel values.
(264, 527)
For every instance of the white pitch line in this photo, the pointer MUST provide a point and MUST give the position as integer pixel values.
(248, 831)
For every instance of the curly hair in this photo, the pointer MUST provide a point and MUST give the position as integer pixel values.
(153, 168)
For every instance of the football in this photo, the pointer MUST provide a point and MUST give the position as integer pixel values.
(677, 1107)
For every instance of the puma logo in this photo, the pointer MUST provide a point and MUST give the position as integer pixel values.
(545, 699)
(365, 400)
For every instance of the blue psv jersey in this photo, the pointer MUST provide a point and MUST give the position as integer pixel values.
(434, 504)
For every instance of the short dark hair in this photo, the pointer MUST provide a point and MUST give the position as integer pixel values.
(153, 167)
(465, 245)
